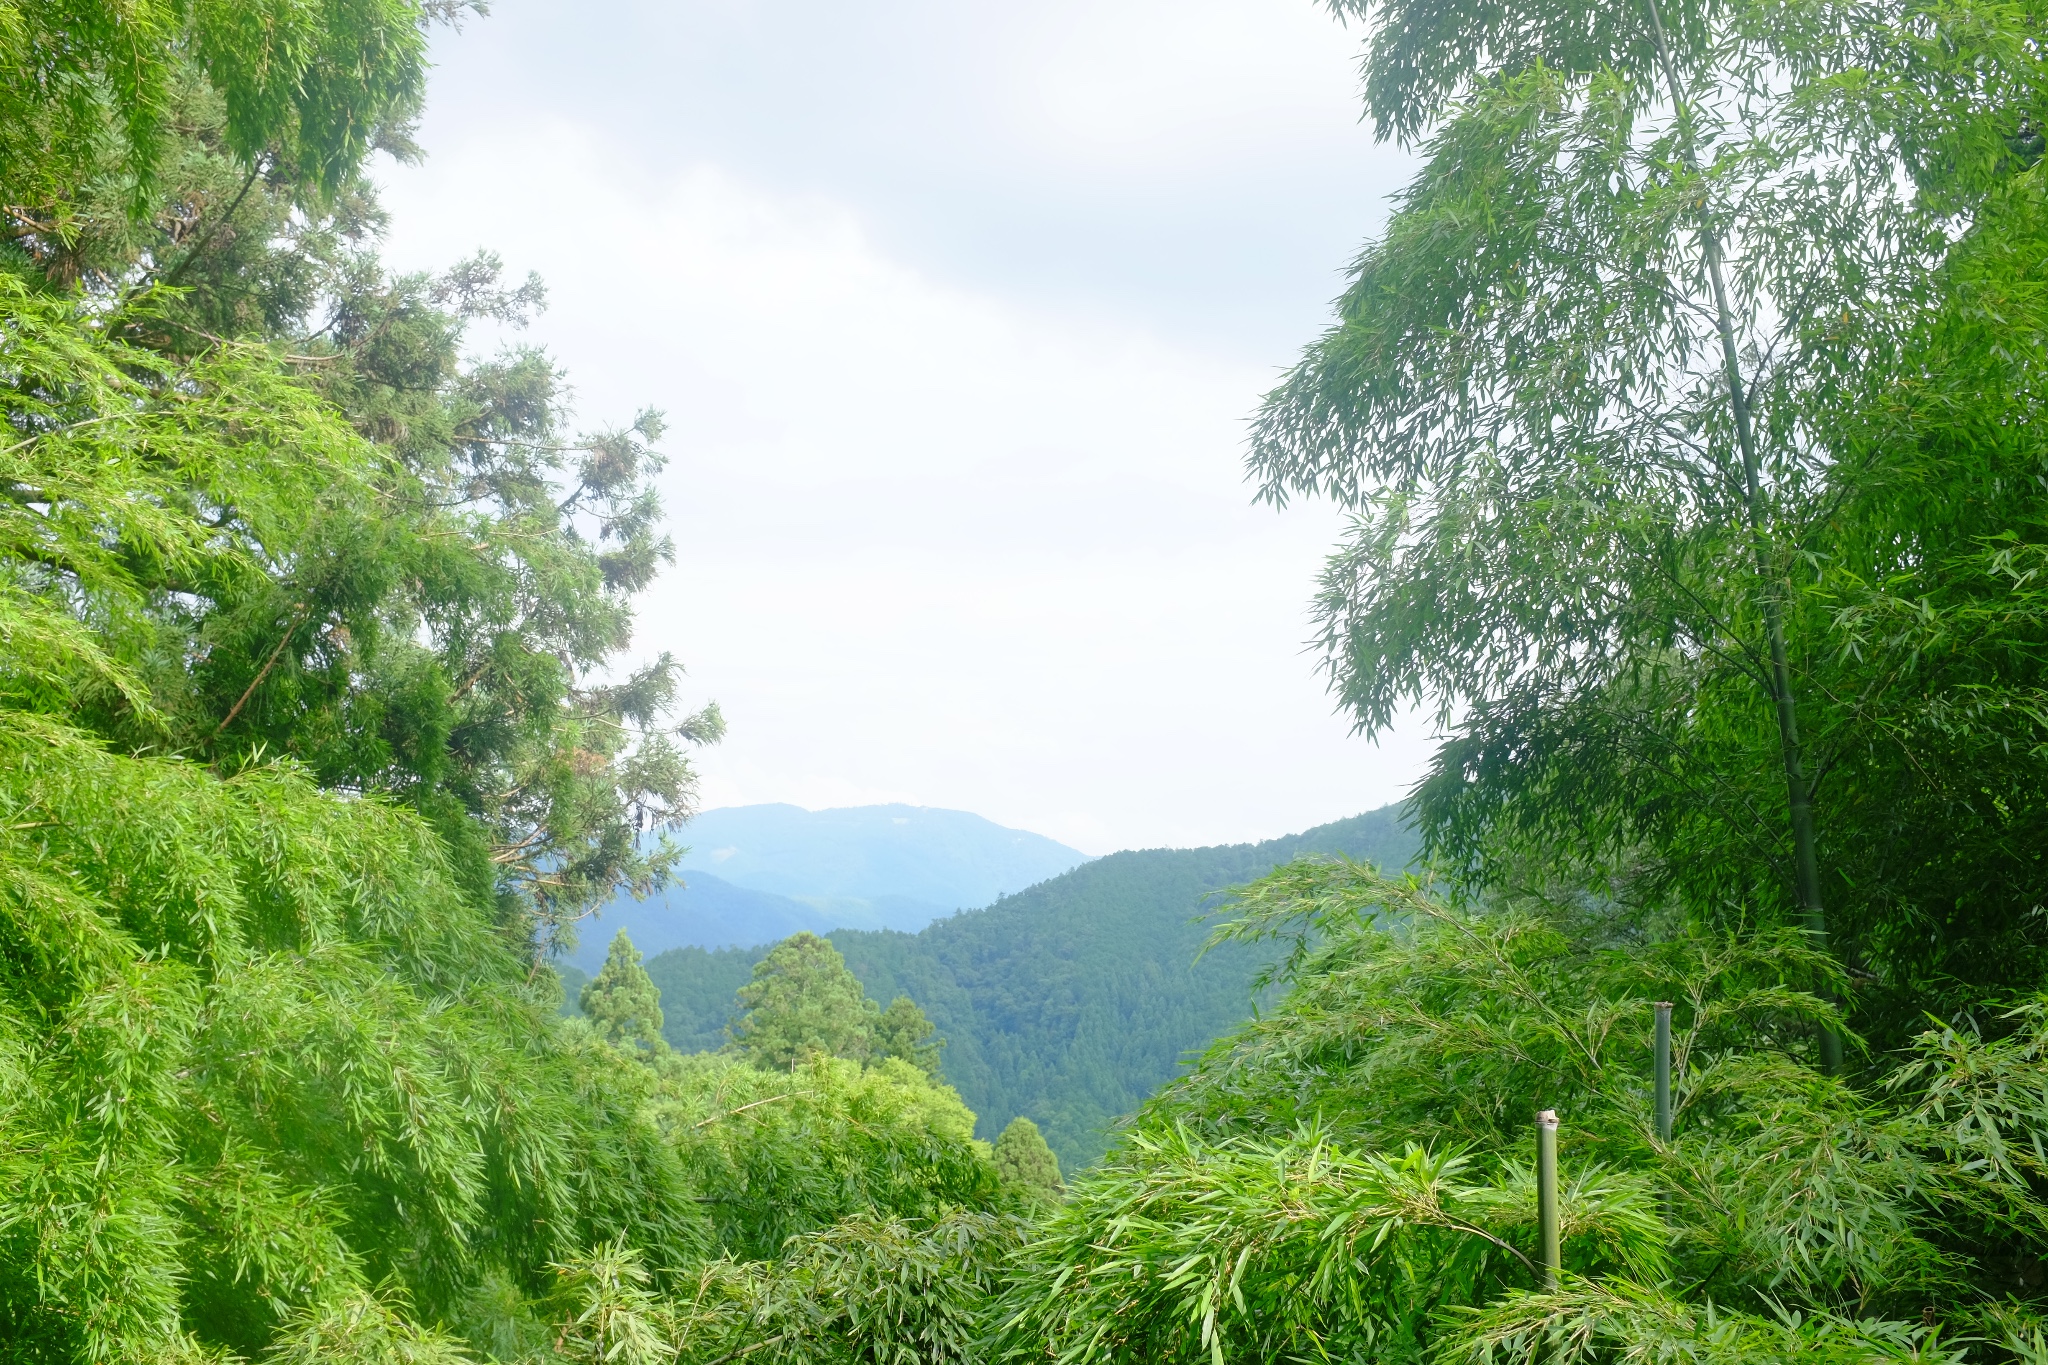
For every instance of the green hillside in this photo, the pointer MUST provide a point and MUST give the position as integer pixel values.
(1069, 1002)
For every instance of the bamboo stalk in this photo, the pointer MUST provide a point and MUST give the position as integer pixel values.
(1546, 1195)
(1663, 1008)
(1662, 1052)
(1771, 592)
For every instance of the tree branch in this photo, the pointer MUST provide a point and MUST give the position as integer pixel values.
(298, 615)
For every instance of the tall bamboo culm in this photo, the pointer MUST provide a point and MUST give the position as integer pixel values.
(1663, 1084)
(1663, 1008)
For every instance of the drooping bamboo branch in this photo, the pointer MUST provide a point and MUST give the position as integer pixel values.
(1798, 787)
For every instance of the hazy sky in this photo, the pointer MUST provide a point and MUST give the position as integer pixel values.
(957, 312)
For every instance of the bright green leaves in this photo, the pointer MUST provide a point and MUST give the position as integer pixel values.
(1246, 1250)
(871, 1289)
(1426, 1024)
(781, 1153)
(127, 473)
(92, 89)
(1349, 1176)
(1584, 1323)
(315, 82)
(264, 1052)
(203, 553)
(1423, 58)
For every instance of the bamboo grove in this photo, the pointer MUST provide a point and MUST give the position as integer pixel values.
(1689, 413)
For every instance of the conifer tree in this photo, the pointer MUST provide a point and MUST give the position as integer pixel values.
(621, 1001)
(903, 1031)
(803, 1000)
(1027, 1167)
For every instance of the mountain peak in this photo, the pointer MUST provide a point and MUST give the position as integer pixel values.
(754, 874)
(948, 859)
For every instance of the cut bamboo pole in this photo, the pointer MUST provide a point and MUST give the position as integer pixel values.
(1663, 1008)
(1546, 1195)
(1663, 1072)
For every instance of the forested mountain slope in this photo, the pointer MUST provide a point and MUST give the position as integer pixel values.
(1069, 1002)
(703, 911)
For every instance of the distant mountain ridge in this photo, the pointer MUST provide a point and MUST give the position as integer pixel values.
(947, 859)
(757, 874)
(1068, 1002)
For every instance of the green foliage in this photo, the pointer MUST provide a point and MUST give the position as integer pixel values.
(620, 1002)
(699, 991)
(314, 744)
(361, 1327)
(803, 1002)
(446, 625)
(609, 1310)
(1249, 1250)
(420, 619)
(872, 1291)
(868, 1292)
(777, 1154)
(268, 1044)
(1027, 1168)
(1347, 1176)
(117, 458)
(263, 1054)
(1071, 1001)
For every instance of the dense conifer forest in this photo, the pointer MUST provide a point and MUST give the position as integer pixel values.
(1689, 410)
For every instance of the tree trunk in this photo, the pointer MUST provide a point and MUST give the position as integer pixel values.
(1798, 787)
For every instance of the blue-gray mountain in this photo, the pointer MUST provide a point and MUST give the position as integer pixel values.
(1069, 1002)
(756, 874)
(947, 859)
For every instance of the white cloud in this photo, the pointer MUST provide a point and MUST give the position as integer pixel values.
(937, 543)
(1180, 84)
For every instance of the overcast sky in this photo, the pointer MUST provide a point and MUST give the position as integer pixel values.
(957, 312)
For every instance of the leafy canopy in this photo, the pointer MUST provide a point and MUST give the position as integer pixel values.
(262, 1054)
(1712, 614)
(779, 1153)
(902, 1031)
(802, 1001)
(91, 93)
